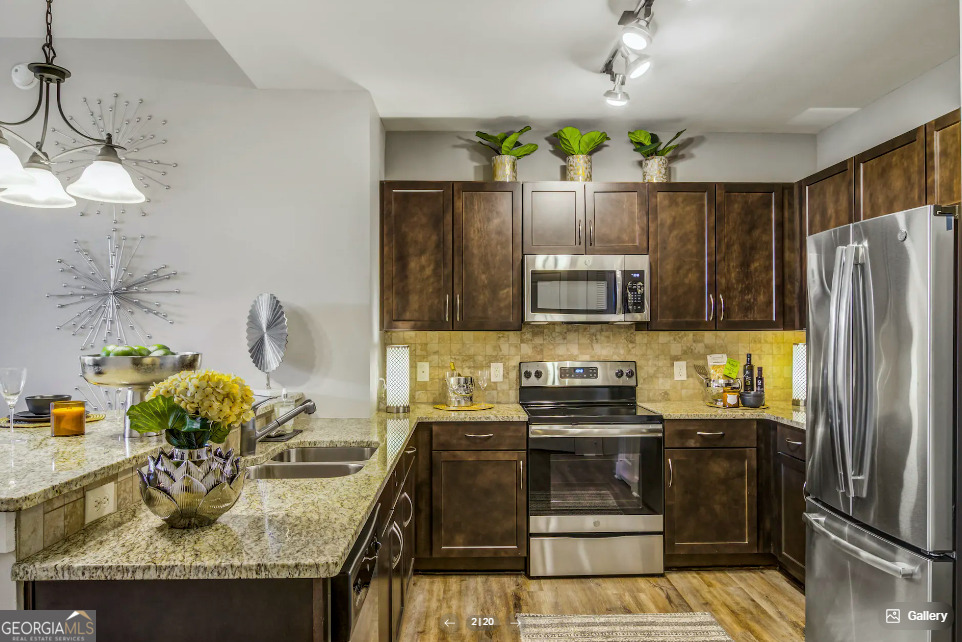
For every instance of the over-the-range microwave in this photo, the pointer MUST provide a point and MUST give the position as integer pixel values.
(572, 288)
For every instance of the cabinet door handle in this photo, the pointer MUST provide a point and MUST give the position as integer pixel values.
(457, 305)
(671, 473)
(579, 233)
(410, 506)
(487, 436)
(721, 312)
(400, 549)
(796, 444)
(521, 466)
(447, 307)
(712, 316)
(710, 434)
(410, 451)
(591, 233)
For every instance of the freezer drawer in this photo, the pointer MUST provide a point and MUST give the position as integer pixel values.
(605, 555)
(852, 576)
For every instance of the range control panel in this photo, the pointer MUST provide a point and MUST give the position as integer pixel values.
(578, 373)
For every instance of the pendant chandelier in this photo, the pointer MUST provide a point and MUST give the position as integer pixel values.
(33, 184)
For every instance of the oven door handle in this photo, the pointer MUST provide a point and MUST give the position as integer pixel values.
(596, 430)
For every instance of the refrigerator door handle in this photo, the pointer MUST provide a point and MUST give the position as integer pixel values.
(895, 569)
(863, 412)
(843, 365)
(835, 418)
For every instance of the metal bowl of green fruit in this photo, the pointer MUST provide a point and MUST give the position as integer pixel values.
(136, 368)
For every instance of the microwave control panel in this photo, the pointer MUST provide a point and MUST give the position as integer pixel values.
(635, 284)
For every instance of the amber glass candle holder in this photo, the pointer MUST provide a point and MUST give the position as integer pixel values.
(68, 418)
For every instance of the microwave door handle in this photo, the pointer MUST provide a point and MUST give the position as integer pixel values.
(619, 289)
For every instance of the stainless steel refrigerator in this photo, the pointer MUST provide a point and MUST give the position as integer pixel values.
(880, 471)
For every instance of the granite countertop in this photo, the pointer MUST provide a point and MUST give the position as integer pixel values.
(289, 528)
(40, 467)
(781, 412)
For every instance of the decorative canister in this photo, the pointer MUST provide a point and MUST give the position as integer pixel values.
(579, 168)
(656, 169)
(505, 168)
(460, 391)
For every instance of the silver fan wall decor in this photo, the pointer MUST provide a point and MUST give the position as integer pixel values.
(267, 334)
(109, 294)
(140, 133)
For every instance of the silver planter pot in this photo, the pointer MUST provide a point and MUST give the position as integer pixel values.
(655, 169)
(191, 488)
(504, 168)
(578, 168)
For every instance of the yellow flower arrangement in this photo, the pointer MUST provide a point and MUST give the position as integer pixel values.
(211, 395)
(194, 408)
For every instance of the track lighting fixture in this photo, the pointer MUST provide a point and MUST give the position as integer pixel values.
(637, 68)
(636, 36)
(617, 96)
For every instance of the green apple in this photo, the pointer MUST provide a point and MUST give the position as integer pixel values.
(108, 350)
(123, 351)
(158, 346)
(141, 351)
(161, 353)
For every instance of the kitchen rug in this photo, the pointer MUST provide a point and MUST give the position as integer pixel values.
(646, 627)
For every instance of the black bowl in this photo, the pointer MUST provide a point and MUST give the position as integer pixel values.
(755, 399)
(40, 404)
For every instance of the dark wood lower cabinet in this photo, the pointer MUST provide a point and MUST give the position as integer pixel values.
(479, 505)
(789, 541)
(711, 503)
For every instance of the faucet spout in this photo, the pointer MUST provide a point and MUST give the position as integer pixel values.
(250, 435)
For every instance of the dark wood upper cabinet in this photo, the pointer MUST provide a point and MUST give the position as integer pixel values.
(711, 503)
(827, 199)
(616, 216)
(682, 248)
(487, 256)
(554, 218)
(416, 275)
(748, 256)
(891, 177)
(479, 504)
(943, 162)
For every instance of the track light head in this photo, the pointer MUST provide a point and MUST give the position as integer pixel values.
(617, 96)
(637, 68)
(636, 36)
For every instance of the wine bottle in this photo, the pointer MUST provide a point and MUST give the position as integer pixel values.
(748, 374)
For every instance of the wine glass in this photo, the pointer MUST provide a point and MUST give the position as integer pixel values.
(481, 381)
(12, 381)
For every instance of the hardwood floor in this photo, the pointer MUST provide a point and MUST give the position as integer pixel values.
(751, 604)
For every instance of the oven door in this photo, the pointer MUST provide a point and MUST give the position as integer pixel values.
(573, 289)
(596, 479)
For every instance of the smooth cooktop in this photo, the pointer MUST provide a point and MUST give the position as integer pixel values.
(624, 413)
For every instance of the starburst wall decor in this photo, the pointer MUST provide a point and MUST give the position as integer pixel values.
(110, 295)
(141, 134)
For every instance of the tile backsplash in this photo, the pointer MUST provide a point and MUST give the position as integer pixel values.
(655, 353)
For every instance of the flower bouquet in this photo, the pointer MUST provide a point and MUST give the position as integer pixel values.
(192, 485)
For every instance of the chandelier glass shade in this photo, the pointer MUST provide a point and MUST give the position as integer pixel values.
(34, 184)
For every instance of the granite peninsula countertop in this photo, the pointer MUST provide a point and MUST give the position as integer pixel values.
(290, 528)
(39, 467)
(781, 412)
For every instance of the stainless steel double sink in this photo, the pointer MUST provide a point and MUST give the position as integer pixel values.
(313, 463)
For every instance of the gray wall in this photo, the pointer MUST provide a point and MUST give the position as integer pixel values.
(276, 192)
(920, 100)
(707, 157)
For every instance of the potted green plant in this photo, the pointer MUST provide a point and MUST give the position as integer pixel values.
(192, 485)
(508, 149)
(655, 166)
(578, 148)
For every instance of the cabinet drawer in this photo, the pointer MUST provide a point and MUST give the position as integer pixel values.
(480, 435)
(713, 433)
(790, 441)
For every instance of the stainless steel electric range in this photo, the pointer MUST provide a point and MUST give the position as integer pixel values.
(596, 494)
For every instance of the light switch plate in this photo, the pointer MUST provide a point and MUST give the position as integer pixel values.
(497, 372)
(681, 370)
(100, 501)
(424, 371)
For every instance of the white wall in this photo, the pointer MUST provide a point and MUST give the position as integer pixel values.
(276, 191)
(707, 157)
(920, 100)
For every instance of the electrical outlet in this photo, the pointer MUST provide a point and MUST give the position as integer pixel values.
(681, 371)
(497, 372)
(100, 501)
(424, 371)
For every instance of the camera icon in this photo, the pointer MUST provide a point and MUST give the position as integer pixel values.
(893, 616)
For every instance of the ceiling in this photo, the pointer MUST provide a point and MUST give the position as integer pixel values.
(732, 65)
